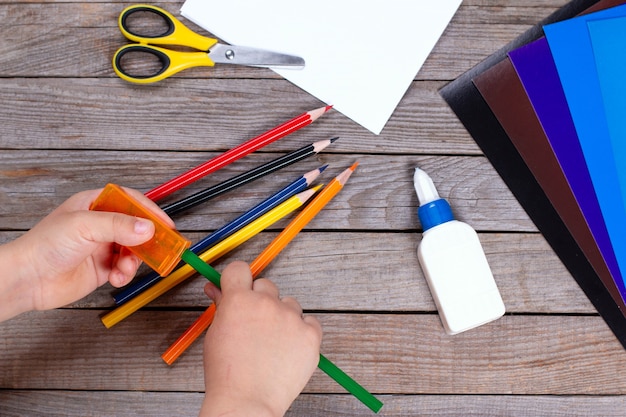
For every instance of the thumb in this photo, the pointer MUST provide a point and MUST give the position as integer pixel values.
(107, 227)
(213, 293)
(236, 276)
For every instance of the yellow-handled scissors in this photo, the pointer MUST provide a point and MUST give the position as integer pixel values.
(170, 61)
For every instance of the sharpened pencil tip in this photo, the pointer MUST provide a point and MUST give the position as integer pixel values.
(315, 114)
(305, 195)
(312, 175)
(330, 106)
(322, 168)
(343, 177)
(333, 140)
(323, 144)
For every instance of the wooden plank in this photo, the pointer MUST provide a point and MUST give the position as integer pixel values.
(530, 277)
(165, 404)
(87, 404)
(379, 196)
(463, 405)
(466, 405)
(387, 353)
(184, 114)
(380, 272)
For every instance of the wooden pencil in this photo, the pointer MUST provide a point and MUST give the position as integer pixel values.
(189, 336)
(228, 229)
(264, 258)
(246, 177)
(235, 153)
(179, 275)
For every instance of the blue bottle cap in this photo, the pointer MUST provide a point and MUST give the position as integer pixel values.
(434, 213)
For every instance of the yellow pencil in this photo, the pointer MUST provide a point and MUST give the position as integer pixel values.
(269, 253)
(167, 283)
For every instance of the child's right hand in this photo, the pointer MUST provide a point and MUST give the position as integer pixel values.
(260, 351)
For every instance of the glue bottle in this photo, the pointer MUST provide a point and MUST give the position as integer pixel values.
(454, 264)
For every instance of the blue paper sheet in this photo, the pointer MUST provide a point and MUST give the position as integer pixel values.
(537, 72)
(608, 38)
(573, 55)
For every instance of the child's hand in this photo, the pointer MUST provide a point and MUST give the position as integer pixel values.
(260, 351)
(70, 253)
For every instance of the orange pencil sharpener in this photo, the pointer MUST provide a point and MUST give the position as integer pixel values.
(161, 253)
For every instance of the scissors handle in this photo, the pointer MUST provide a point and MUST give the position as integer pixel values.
(170, 62)
(175, 34)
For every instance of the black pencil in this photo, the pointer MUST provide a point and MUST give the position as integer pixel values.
(241, 179)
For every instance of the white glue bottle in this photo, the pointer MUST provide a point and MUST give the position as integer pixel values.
(454, 264)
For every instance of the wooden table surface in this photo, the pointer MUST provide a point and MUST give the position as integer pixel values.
(67, 123)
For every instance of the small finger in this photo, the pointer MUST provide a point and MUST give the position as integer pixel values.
(117, 278)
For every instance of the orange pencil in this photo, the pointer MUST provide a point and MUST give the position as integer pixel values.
(264, 258)
(189, 336)
(301, 220)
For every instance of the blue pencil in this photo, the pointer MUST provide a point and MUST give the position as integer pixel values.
(222, 233)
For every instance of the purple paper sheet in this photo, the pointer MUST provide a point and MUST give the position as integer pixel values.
(538, 73)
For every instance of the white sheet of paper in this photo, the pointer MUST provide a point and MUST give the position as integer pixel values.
(361, 56)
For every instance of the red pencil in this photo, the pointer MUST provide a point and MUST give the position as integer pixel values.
(235, 153)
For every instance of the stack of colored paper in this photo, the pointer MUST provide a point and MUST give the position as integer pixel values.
(549, 111)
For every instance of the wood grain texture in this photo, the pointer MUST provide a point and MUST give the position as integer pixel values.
(380, 195)
(67, 123)
(530, 277)
(159, 404)
(397, 354)
(465, 405)
(68, 113)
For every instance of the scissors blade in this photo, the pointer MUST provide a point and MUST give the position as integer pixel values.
(253, 57)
